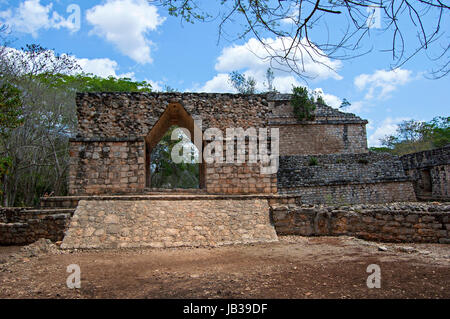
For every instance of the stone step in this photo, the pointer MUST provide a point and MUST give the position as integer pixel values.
(72, 201)
(24, 215)
(150, 191)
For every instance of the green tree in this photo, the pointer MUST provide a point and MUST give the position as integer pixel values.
(10, 118)
(415, 136)
(302, 103)
(345, 103)
(38, 150)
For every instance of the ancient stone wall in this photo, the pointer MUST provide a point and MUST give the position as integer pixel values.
(20, 226)
(106, 166)
(134, 114)
(331, 131)
(306, 139)
(239, 179)
(166, 223)
(430, 172)
(355, 193)
(398, 222)
(345, 178)
(110, 153)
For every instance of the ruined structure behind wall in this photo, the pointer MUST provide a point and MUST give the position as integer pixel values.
(430, 172)
(117, 131)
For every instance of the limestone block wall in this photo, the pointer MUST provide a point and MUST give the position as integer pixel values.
(430, 172)
(399, 222)
(109, 155)
(223, 178)
(20, 226)
(303, 139)
(166, 223)
(356, 193)
(106, 166)
(331, 131)
(134, 114)
(345, 178)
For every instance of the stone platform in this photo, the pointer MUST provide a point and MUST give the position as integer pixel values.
(169, 221)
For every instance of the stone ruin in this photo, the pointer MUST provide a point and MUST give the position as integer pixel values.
(324, 161)
(117, 131)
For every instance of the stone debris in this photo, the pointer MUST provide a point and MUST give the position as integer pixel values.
(39, 247)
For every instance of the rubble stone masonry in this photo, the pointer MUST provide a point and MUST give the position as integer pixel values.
(165, 223)
(397, 222)
(430, 172)
(109, 155)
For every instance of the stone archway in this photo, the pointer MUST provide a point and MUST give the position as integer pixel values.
(174, 114)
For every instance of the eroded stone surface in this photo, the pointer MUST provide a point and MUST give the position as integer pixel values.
(163, 223)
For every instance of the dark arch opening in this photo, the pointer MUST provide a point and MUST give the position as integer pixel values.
(158, 144)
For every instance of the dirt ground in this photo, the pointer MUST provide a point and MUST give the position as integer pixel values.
(294, 267)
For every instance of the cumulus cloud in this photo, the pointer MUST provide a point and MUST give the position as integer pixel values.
(218, 84)
(31, 16)
(103, 67)
(253, 55)
(157, 86)
(381, 83)
(253, 61)
(126, 24)
(330, 99)
(387, 127)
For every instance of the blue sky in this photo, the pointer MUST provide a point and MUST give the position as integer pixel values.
(139, 40)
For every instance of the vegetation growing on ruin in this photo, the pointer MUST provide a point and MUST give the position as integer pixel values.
(313, 161)
(303, 104)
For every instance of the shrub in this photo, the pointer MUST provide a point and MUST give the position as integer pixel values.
(313, 161)
(302, 103)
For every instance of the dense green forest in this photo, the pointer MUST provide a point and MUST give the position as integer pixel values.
(37, 117)
(415, 136)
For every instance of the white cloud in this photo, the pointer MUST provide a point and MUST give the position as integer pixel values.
(31, 16)
(157, 86)
(101, 67)
(254, 56)
(330, 99)
(252, 60)
(218, 84)
(355, 107)
(387, 127)
(381, 83)
(125, 23)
